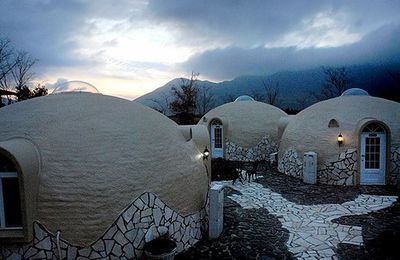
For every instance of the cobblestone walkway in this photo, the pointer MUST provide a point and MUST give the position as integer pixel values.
(312, 234)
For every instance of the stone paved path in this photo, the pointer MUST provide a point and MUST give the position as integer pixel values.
(312, 234)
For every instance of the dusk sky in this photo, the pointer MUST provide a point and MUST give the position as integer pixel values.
(128, 48)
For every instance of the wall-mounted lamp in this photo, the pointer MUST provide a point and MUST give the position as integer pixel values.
(340, 139)
(206, 153)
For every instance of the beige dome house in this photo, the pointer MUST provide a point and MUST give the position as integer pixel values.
(91, 175)
(243, 130)
(356, 138)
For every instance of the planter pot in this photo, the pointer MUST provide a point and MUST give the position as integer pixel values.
(164, 256)
(160, 249)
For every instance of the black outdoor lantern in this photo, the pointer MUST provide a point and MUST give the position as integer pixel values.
(340, 139)
(206, 153)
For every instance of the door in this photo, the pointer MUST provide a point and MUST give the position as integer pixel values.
(373, 158)
(217, 149)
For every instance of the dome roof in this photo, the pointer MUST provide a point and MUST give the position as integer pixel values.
(355, 92)
(244, 98)
(247, 122)
(75, 86)
(309, 130)
(98, 154)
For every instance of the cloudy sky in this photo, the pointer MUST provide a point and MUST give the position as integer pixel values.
(128, 48)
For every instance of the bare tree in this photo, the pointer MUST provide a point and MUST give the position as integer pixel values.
(22, 73)
(205, 100)
(161, 104)
(256, 95)
(229, 98)
(337, 80)
(16, 72)
(302, 101)
(7, 61)
(271, 93)
(184, 103)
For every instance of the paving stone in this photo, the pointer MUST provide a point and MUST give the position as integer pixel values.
(305, 236)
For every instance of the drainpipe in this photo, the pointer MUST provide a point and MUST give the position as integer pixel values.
(58, 244)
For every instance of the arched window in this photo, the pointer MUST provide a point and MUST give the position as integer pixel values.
(10, 202)
(374, 128)
(333, 123)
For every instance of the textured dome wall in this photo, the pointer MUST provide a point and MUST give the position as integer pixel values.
(309, 131)
(248, 121)
(98, 154)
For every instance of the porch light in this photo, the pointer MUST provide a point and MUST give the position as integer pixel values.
(206, 153)
(340, 139)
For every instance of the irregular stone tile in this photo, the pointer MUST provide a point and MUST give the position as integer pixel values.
(121, 225)
(120, 238)
(44, 244)
(110, 233)
(98, 246)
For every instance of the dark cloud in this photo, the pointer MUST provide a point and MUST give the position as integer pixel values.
(47, 28)
(255, 22)
(380, 46)
(52, 31)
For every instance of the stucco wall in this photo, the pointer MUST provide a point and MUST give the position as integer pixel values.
(98, 154)
(309, 131)
(247, 121)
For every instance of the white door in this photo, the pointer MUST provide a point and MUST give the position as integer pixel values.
(217, 149)
(373, 158)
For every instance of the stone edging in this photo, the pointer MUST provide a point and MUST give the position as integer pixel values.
(146, 217)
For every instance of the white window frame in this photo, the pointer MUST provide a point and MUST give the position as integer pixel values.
(2, 213)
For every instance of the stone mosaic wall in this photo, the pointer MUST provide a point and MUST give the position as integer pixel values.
(395, 161)
(339, 170)
(146, 218)
(259, 152)
(291, 164)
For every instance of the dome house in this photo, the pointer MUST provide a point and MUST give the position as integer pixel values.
(356, 138)
(89, 175)
(243, 130)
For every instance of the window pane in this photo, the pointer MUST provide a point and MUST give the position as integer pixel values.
(218, 137)
(12, 202)
(372, 153)
(6, 165)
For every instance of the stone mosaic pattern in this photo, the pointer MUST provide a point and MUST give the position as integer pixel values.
(340, 170)
(145, 219)
(312, 234)
(291, 164)
(259, 152)
(395, 161)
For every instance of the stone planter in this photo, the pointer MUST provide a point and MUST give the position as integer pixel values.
(160, 248)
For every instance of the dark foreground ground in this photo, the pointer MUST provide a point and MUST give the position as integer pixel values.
(256, 234)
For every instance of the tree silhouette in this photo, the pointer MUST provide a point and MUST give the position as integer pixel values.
(184, 103)
(337, 80)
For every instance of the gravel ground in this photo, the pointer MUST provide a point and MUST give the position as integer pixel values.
(255, 234)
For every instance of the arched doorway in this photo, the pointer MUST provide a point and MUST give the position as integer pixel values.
(217, 139)
(373, 140)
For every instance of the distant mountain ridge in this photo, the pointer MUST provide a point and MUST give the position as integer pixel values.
(292, 85)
